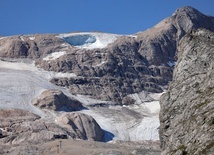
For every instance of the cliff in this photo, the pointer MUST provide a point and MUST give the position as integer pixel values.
(187, 108)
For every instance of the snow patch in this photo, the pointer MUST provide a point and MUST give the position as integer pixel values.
(153, 107)
(90, 102)
(132, 123)
(129, 123)
(54, 55)
(32, 38)
(2, 38)
(133, 36)
(61, 75)
(89, 40)
(22, 38)
(171, 63)
(100, 64)
(65, 45)
(141, 97)
(1, 47)
(17, 66)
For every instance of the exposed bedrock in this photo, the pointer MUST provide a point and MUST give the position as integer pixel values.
(187, 108)
(56, 100)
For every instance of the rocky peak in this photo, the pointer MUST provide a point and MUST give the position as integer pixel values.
(187, 18)
(187, 10)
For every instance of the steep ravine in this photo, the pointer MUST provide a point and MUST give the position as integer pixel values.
(187, 108)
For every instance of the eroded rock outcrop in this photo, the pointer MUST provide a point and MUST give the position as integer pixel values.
(56, 100)
(187, 108)
(22, 127)
(83, 125)
(29, 46)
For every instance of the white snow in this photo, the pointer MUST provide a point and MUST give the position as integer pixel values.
(54, 55)
(133, 36)
(153, 107)
(18, 66)
(89, 101)
(19, 87)
(100, 64)
(2, 38)
(22, 38)
(132, 123)
(65, 45)
(32, 38)
(135, 122)
(141, 97)
(61, 75)
(171, 63)
(89, 40)
(22, 82)
(1, 47)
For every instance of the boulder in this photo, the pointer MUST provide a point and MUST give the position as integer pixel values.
(56, 100)
(83, 125)
(22, 127)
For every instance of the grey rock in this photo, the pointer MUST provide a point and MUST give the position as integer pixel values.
(29, 46)
(83, 125)
(187, 108)
(22, 127)
(56, 100)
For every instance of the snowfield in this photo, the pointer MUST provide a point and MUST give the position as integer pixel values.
(54, 55)
(22, 81)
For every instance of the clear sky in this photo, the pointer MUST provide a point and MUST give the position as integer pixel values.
(113, 16)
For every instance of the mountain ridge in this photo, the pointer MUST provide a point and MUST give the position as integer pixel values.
(119, 83)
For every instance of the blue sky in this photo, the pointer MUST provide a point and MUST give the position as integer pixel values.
(113, 16)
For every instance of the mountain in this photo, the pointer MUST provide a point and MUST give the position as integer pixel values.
(91, 85)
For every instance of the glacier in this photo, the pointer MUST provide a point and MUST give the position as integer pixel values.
(23, 82)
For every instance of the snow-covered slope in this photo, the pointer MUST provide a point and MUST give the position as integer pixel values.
(22, 81)
(130, 123)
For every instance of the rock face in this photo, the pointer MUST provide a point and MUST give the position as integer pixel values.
(22, 127)
(85, 126)
(187, 108)
(56, 100)
(19, 126)
(30, 46)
